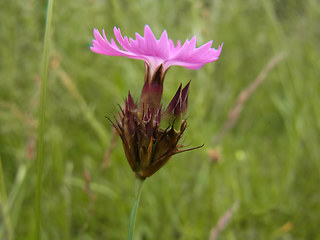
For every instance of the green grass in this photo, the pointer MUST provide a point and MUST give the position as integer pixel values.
(269, 160)
(41, 117)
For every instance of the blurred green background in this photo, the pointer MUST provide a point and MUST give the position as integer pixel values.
(268, 163)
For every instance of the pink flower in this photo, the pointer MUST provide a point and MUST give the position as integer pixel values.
(156, 52)
(147, 144)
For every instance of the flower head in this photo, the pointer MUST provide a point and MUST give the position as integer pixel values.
(150, 135)
(156, 52)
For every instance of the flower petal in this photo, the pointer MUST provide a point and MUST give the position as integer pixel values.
(156, 52)
(163, 46)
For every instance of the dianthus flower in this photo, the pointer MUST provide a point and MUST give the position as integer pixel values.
(147, 145)
(156, 52)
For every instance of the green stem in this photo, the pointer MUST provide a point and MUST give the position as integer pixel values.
(41, 117)
(139, 183)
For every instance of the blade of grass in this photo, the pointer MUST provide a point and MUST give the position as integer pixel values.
(41, 119)
(222, 223)
(17, 189)
(7, 230)
(3, 192)
(88, 113)
(95, 187)
(244, 95)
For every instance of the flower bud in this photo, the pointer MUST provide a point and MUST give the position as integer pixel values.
(152, 90)
(177, 107)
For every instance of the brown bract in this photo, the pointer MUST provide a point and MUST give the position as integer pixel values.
(147, 145)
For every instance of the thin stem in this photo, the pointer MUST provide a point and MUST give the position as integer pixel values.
(139, 183)
(41, 117)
